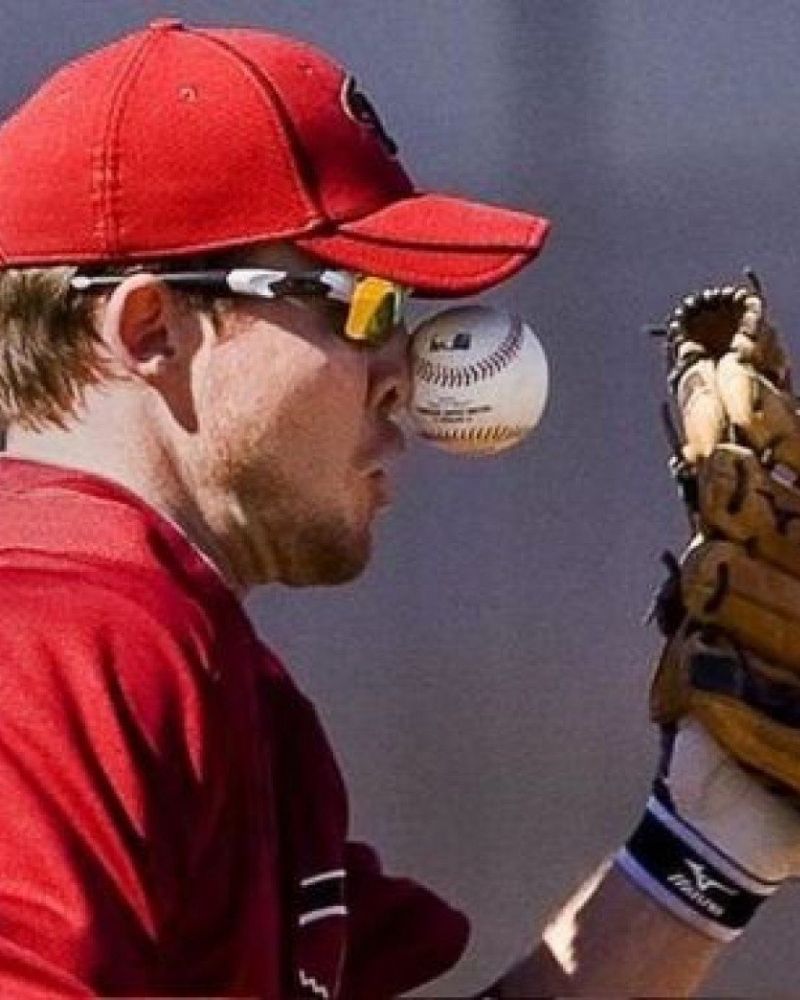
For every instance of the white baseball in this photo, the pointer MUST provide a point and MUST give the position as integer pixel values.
(480, 380)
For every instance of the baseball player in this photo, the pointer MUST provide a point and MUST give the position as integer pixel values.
(206, 241)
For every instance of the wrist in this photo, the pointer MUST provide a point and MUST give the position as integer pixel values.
(713, 843)
(687, 875)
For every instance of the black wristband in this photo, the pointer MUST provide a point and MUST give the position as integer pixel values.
(686, 874)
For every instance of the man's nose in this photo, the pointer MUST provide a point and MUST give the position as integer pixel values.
(390, 374)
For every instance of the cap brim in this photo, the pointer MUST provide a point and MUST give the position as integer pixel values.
(439, 245)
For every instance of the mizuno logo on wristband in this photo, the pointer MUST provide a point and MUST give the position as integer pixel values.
(697, 887)
(705, 882)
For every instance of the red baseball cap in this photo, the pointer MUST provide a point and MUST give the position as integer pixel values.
(177, 140)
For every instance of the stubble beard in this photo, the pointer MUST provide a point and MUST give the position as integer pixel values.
(327, 554)
(295, 543)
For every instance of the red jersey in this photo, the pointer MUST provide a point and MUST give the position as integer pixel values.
(173, 821)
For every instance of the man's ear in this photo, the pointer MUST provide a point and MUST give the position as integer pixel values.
(144, 329)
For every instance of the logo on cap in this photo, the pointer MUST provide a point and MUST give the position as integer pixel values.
(359, 107)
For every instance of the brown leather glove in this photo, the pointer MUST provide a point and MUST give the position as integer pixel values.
(731, 607)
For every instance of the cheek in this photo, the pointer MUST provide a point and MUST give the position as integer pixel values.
(301, 409)
(233, 411)
(318, 421)
(317, 396)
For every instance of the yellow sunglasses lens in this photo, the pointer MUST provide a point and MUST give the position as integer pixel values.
(375, 310)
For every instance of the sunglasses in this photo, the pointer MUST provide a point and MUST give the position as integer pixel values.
(375, 305)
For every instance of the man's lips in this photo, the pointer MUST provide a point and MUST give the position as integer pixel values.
(381, 486)
(392, 440)
(389, 444)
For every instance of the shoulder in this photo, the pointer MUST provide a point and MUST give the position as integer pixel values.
(113, 656)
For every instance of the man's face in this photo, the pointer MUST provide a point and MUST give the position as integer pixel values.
(295, 431)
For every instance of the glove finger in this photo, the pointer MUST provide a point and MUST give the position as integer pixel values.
(765, 417)
(752, 602)
(756, 342)
(704, 421)
(728, 369)
(738, 499)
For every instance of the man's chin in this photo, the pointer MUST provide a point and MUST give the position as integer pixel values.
(333, 558)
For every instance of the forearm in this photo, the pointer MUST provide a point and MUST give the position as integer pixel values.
(612, 939)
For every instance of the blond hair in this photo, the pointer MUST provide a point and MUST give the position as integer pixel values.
(49, 350)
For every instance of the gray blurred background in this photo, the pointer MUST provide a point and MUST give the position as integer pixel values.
(484, 683)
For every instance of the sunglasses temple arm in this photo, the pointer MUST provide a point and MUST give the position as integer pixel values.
(189, 279)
